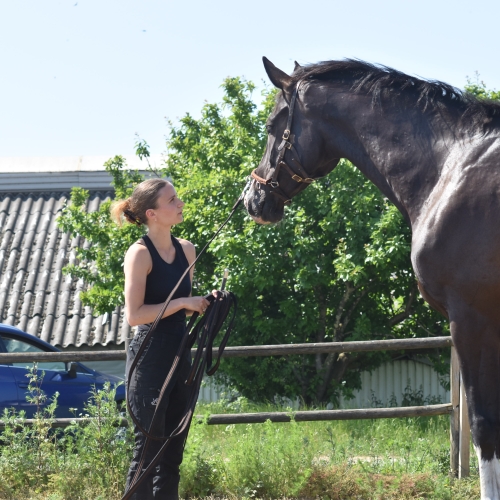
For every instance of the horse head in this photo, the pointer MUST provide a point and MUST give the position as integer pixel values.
(296, 153)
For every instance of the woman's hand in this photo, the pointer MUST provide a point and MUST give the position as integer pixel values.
(196, 304)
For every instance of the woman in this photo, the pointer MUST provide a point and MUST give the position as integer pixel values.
(153, 265)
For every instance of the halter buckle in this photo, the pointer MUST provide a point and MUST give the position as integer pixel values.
(286, 135)
(298, 178)
(274, 184)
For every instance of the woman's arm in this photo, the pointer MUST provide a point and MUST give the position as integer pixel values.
(137, 266)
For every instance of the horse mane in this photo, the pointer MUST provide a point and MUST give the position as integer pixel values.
(383, 82)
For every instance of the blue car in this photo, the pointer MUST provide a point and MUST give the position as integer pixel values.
(73, 381)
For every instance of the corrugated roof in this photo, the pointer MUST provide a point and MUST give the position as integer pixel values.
(35, 295)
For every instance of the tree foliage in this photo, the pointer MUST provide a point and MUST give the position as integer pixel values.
(336, 269)
(478, 88)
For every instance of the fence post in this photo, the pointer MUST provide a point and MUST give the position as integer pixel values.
(129, 337)
(464, 458)
(455, 413)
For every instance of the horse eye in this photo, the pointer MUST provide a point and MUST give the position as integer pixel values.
(269, 129)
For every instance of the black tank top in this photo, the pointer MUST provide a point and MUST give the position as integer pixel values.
(162, 279)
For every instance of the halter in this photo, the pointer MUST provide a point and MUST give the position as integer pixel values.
(298, 174)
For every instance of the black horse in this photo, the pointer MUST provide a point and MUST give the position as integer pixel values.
(435, 153)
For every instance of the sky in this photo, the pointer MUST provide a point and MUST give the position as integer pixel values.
(82, 77)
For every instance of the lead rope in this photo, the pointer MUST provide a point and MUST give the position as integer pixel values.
(204, 332)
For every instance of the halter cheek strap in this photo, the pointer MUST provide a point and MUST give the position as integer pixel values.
(298, 173)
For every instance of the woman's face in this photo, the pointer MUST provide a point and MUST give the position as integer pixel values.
(169, 208)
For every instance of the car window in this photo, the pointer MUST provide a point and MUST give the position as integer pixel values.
(16, 345)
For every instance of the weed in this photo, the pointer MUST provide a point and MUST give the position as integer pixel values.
(29, 454)
(85, 461)
(391, 459)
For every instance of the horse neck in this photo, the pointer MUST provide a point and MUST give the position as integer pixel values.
(401, 153)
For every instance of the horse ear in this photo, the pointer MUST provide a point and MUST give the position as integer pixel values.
(278, 78)
(297, 66)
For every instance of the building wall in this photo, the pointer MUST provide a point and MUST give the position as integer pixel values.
(393, 378)
(389, 378)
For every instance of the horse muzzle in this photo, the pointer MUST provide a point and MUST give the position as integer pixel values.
(262, 207)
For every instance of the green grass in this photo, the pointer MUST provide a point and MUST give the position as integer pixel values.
(364, 459)
(386, 458)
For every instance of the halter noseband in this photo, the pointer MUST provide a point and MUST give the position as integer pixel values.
(298, 174)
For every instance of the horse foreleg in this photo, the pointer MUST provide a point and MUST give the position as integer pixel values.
(489, 476)
(477, 340)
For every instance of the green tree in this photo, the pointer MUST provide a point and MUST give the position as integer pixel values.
(478, 88)
(337, 268)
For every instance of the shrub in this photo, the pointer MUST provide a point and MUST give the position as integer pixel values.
(88, 460)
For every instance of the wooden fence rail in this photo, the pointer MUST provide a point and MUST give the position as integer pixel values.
(298, 416)
(457, 409)
(58, 423)
(321, 415)
(244, 351)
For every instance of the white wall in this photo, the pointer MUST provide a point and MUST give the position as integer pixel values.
(392, 378)
(387, 379)
(52, 174)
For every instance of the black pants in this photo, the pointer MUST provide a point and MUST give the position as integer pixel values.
(145, 386)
